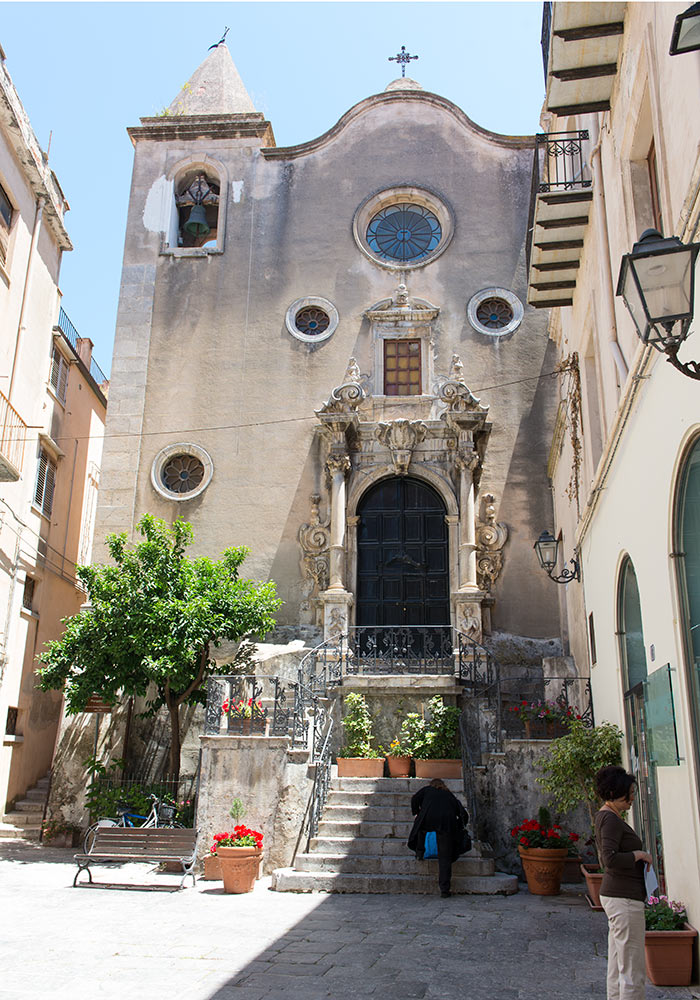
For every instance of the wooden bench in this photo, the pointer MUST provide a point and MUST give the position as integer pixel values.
(155, 845)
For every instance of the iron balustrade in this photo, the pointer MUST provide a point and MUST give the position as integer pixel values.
(539, 707)
(72, 336)
(559, 161)
(13, 433)
(247, 705)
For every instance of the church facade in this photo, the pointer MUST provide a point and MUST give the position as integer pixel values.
(324, 352)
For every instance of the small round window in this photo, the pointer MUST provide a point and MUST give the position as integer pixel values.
(495, 312)
(181, 471)
(404, 233)
(403, 228)
(312, 319)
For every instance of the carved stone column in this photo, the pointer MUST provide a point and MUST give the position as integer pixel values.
(467, 524)
(338, 467)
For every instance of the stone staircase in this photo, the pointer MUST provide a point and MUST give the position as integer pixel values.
(361, 846)
(24, 821)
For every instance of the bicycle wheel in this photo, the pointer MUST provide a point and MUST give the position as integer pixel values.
(91, 833)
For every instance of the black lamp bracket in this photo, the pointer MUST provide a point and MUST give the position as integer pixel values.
(567, 575)
(689, 368)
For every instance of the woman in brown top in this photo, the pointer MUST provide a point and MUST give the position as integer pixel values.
(622, 892)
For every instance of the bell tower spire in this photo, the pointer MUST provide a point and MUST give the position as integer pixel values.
(215, 88)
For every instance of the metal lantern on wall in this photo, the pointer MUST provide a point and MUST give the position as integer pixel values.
(686, 31)
(657, 283)
(547, 549)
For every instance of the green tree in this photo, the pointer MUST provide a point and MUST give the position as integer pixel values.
(570, 765)
(151, 621)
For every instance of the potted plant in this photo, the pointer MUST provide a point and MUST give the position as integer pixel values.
(668, 942)
(436, 743)
(358, 759)
(398, 759)
(239, 854)
(543, 850)
(568, 770)
(212, 865)
(544, 716)
(245, 717)
(58, 833)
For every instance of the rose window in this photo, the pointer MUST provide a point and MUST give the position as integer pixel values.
(494, 314)
(312, 321)
(404, 232)
(182, 474)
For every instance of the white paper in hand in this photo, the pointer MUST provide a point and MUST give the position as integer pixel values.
(651, 882)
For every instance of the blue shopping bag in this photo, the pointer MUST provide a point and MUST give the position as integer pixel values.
(430, 845)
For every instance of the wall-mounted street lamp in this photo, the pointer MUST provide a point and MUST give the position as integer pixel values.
(547, 549)
(686, 31)
(657, 282)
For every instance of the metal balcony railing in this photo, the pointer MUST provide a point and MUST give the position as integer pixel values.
(13, 433)
(559, 161)
(72, 336)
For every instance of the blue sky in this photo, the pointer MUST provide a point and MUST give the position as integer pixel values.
(85, 71)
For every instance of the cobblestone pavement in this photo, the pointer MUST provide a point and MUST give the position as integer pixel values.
(58, 942)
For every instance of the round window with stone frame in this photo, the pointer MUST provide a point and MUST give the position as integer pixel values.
(181, 471)
(403, 228)
(312, 319)
(495, 312)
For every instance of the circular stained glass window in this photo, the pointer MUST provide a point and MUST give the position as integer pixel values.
(182, 474)
(405, 232)
(494, 314)
(312, 321)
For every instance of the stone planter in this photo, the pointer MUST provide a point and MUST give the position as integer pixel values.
(543, 867)
(593, 879)
(443, 767)
(360, 767)
(669, 956)
(248, 727)
(239, 867)
(212, 868)
(71, 838)
(399, 767)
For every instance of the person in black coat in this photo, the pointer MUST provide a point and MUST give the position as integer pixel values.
(437, 809)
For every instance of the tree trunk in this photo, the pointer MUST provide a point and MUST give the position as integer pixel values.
(174, 710)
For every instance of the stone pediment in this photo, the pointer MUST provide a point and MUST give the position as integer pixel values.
(402, 308)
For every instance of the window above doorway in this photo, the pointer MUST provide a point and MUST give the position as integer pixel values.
(403, 228)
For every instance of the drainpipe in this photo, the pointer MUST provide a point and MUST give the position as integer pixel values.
(608, 297)
(40, 202)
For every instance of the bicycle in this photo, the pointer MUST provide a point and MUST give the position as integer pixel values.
(161, 814)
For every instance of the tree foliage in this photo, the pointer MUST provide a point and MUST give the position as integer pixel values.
(570, 765)
(151, 621)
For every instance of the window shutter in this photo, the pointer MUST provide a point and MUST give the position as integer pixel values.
(59, 374)
(45, 484)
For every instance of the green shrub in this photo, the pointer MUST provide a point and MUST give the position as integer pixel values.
(357, 726)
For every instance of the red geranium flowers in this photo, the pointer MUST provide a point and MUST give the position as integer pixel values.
(241, 836)
(532, 834)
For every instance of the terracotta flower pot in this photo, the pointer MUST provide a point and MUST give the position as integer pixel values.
(669, 956)
(399, 767)
(247, 727)
(239, 867)
(593, 882)
(212, 868)
(543, 867)
(444, 767)
(360, 767)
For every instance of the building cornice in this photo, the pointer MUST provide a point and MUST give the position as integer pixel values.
(393, 97)
(165, 128)
(42, 180)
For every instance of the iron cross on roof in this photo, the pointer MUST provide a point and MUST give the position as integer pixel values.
(402, 58)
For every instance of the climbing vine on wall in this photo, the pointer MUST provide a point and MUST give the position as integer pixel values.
(571, 392)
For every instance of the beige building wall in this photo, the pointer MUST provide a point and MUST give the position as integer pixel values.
(39, 542)
(637, 414)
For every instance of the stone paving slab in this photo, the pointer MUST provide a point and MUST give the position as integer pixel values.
(60, 943)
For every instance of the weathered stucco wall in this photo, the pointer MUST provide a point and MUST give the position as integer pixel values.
(213, 326)
(273, 782)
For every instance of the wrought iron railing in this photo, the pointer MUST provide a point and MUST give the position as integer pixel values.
(540, 707)
(546, 35)
(248, 705)
(72, 336)
(13, 433)
(560, 163)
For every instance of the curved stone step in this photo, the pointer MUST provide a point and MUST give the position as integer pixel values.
(385, 785)
(289, 880)
(388, 864)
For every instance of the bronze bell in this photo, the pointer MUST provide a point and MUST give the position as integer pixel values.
(197, 224)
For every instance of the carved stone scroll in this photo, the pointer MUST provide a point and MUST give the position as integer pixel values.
(314, 539)
(490, 540)
(401, 437)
